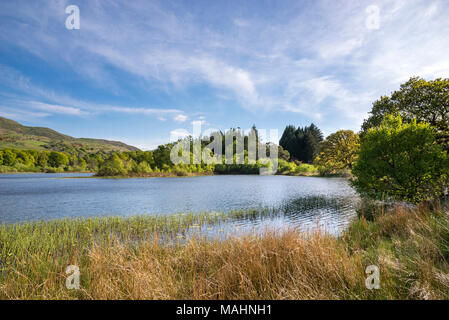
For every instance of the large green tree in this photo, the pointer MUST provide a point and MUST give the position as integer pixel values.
(425, 101)
(302, 143)
(57, 159)
(401, 161)
(9, 158)
(339, 151)
(113, 166)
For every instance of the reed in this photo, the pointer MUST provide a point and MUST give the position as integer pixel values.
(124, 258)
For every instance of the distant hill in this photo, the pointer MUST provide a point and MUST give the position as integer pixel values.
(14, 135)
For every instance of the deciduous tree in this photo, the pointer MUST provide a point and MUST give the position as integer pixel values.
(338, 151)
(402, 161)
(425, 101)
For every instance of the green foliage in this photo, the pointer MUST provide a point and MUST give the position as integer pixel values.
(425, 101)
(285, 167)
(338, 152)
(162, 155)
(14, 160)
(303, 143)
(112, 167)
(305, 167)
(16, 136)
(283, 154)
(401, 161)
(42, 159)
(57, 159)
(9, 157)
(137, 162)
(142, 167)
(239, 168)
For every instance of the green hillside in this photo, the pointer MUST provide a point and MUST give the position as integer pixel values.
(16, 136)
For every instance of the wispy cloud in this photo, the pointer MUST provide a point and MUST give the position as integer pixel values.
(316, 59)
(20, 114)
(180, 118)
(64, 104)
(51, 108)
(144, 111)
(178, 134)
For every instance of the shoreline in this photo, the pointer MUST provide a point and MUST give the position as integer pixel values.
(175, 175)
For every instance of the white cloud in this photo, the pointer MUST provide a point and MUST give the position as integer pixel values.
(63, 104)
(340, 49)
(198, 123)
(241, 23)
(432, 9)
(144, 111)
(142, 144)
(318, 60)
(51, 108)
(180, 118)
(177, 134)
(237, 80)
(20, 115)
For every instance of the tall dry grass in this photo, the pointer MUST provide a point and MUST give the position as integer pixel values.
(410, 247)
(271, 266)
(274, 266)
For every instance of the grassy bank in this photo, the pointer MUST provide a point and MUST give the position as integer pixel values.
(123, 258)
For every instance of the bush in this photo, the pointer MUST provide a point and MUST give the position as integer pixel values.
(338, 152)
(401, 161)
(142, 167)
(112, 167)
(57, 159)
(284, 166)
(302, 168)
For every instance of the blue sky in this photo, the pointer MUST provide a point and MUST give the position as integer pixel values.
(136, 71)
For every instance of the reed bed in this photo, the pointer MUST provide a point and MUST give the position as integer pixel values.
(57, 238)
(123, 258)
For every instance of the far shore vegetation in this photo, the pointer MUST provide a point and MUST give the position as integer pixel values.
(157, 163)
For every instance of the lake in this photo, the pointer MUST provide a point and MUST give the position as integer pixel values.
(303, 202)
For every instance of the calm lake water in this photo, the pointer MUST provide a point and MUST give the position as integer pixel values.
(304, 202)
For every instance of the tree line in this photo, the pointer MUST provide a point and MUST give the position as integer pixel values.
(16, 160)
(159, 161)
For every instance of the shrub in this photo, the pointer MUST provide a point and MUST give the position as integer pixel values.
(142, 167)
(9, 158)
(305, 168)
(112, 167)
(338, 151)
(57, 159)
(401, 161)
(284, 166)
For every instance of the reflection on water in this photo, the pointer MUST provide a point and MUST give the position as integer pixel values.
(303, 214)
(299, 202)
